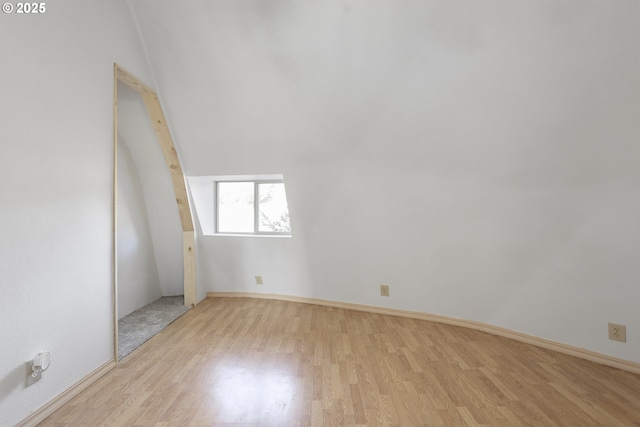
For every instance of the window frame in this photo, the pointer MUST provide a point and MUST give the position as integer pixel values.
(256, 213)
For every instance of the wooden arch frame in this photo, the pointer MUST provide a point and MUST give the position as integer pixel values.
(161, 130)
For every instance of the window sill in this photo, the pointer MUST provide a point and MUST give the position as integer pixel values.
(248, 235)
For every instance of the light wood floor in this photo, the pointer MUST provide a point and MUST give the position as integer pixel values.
(250, 362)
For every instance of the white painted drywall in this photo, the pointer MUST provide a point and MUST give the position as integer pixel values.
(201, 190)
(135, 126)
(480, 157)
(56, 193)
(201, 194)
(138, 282)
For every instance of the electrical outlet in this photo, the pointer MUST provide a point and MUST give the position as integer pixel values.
(32, 379)
(617, 332)
(384, 290)
(258, 280)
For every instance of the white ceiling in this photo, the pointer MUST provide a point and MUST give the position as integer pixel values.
(480, 157)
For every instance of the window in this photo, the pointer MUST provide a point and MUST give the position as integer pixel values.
(251, 207)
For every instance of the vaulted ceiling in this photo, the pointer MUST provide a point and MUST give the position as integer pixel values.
(530, 87)
(478, 156)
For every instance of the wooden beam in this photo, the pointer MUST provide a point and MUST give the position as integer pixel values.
(190, 297)
(161, 129)
(114, 266)
(162, 133)
(183, 202)
(171, 157)
(133, 82)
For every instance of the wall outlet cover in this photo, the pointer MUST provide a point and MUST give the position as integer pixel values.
(384, 290)
(31, 380)
(259, 280)
(617, 332)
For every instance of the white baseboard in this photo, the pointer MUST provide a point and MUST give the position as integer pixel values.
(484, 327)
(41, 414)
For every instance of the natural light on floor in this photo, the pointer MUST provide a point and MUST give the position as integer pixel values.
(244, 392)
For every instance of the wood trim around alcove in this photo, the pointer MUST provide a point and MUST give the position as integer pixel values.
(163, 136)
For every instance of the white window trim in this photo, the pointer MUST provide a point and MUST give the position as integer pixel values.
(256, 180)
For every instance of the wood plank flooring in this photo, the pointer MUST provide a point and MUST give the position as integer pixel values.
(252, 362)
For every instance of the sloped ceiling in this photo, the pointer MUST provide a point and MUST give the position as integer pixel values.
(480, 157)
(282, 81)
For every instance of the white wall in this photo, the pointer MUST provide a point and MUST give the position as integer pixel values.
(56, 189)
(159, 196)
(138, 282)
(479, 157)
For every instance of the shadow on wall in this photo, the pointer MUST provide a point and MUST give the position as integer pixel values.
(19, 376)
(148, 220)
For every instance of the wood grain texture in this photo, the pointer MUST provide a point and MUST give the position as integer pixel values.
(256, 362)
(41, 414)
(189, 261)
(114, 232)
(170, 155)
(132, 81)
(161, 130)
(582, 353)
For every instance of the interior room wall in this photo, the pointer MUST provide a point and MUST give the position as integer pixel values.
(480, 158)
(56, 193)
(138, 282)
(135, 126)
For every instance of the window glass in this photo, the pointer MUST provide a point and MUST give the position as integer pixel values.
(273, 214)
(251, 207)
(235, 207)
